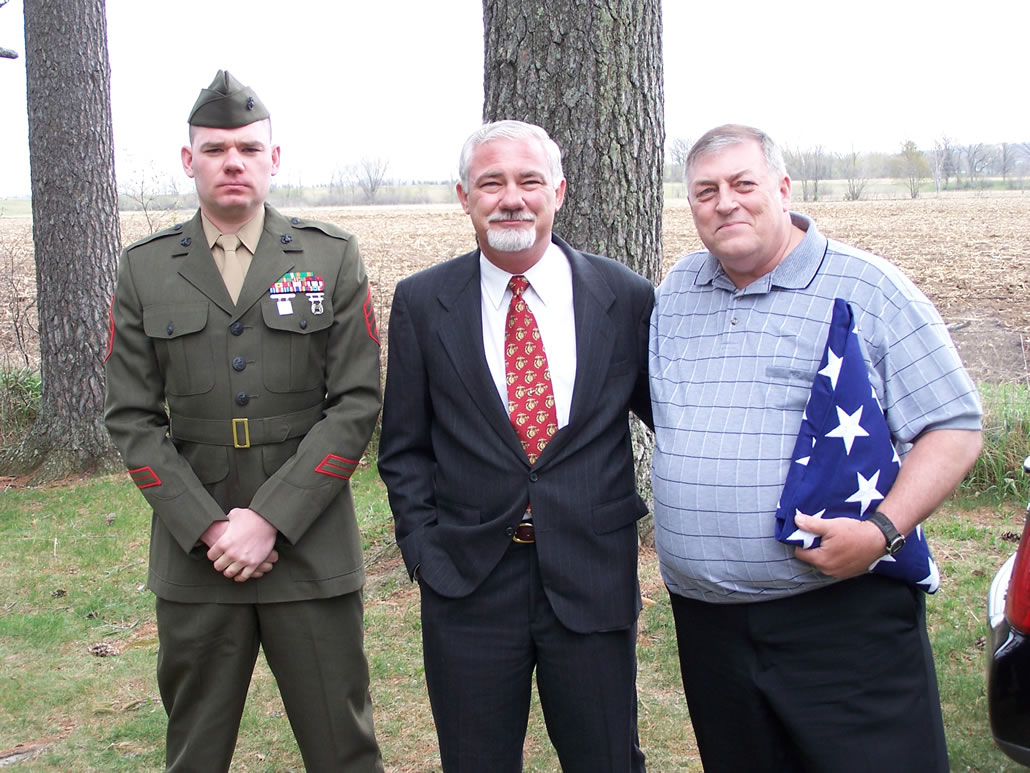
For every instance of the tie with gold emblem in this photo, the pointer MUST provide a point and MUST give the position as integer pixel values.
(232, 272)
(530, 396)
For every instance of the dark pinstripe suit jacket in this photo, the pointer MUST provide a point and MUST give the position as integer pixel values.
(457, 477)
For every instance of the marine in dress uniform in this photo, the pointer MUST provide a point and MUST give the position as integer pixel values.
(246, 394)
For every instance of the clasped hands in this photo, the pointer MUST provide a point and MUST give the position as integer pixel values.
(241, 548)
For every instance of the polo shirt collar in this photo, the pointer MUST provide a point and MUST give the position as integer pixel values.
(794, 272)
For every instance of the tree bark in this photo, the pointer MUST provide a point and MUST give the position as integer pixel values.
(75, 230)
(590, 73)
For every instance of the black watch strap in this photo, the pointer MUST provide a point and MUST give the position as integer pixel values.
(895, 540)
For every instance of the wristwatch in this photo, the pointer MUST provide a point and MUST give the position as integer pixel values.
(895, 540)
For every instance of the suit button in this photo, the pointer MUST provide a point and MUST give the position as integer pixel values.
(242, 398)
(533, 477)
(510, 531)
(238, 363)
(236, 328)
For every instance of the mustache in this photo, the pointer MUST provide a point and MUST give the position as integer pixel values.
(511, 214)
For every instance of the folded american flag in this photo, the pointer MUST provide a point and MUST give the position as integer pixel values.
(844, 461)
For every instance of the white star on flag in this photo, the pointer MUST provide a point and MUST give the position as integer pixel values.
(888, 558)
(932, 581)
(807, 538)
(832, 369)
(866, 491)
(850, 427)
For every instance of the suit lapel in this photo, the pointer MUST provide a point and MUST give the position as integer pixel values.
(595, 341)
(462, 338)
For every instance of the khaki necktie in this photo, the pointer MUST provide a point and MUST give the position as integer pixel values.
(530, 396)
(232, 271)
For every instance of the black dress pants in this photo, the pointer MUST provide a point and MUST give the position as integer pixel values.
(480, 654)
(836, 680)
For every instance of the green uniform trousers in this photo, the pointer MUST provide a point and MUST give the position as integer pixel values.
(314, 649)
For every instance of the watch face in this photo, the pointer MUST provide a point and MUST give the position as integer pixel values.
(896, 545)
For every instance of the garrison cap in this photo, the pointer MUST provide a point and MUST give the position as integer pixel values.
(227, 104)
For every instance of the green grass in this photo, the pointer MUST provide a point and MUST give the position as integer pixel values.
(998, 472)
(74, 571)
(73, 576)
(20, 393)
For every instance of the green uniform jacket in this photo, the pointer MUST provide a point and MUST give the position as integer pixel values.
(295, 379)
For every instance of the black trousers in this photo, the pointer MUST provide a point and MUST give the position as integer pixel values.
(836, 680)
(314, 648)
(480, 654)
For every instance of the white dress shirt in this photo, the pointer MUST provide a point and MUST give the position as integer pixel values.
(549, 297)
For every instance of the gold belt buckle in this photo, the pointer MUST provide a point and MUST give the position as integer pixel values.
(236, 432)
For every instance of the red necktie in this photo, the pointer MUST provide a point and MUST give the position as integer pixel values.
(530, 396)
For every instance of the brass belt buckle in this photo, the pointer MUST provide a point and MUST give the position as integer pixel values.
(240, 427)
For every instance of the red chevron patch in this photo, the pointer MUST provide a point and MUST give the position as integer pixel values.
(110, 330)
(370, 318)
(144, 477)
(337, 466)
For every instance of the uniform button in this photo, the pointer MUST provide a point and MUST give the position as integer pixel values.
(242, 398)
(236, 328)
(186, 241)
(238, 363)
(533, 476)
(510, 531)
(303, 324)
(171, 328)
(286, 238)
(295, 220)
(177, 227)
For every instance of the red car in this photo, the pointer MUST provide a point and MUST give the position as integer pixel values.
(1008, 659)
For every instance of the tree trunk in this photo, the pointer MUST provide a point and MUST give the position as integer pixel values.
(76, 234)
(590, 73)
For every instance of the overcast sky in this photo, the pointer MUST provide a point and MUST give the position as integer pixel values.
(403, 78)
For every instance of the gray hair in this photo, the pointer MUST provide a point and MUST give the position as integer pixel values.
(510, 130)
(730, 134)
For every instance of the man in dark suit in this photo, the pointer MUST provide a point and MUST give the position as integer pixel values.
(506, 451)
(242, 387)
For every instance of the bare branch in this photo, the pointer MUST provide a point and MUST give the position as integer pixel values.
(370, 174)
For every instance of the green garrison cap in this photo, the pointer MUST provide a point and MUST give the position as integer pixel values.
(227, 104)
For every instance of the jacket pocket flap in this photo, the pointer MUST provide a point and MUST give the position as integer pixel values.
(300, 320)
(168, 320)
(618, 514)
